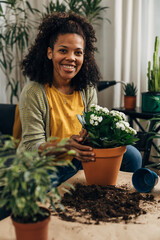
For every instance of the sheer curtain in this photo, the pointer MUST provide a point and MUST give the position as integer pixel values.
(126, 45)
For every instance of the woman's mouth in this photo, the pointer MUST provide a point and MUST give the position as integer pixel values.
(68, 68)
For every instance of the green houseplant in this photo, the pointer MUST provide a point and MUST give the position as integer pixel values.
(91, 9)
(27, 184)
(155, 134)
(17, 25)
(108, 134)
(151, 99)
(130, 91)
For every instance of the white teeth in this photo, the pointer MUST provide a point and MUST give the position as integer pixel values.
(67, 66)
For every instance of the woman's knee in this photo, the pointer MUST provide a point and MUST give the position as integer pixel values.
(132, 159)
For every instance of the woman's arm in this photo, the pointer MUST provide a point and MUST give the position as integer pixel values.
(33, 111)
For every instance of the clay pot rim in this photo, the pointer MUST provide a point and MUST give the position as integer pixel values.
(111, 152)
(130, 96)
(110, 148)
(151, 93)
(30, 224)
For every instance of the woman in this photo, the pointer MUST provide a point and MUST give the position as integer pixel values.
(63, 74)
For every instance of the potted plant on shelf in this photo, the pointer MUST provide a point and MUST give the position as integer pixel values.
(27, 185)
(151, 99)
(130, 91)
(108, 134)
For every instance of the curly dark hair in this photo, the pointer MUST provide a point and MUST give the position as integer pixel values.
(39, 68)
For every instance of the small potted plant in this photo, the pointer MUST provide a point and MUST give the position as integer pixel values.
(27, 184)
(130, 91)
(108, 134)
(151, 99)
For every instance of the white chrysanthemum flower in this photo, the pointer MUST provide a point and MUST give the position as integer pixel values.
(112, 113)
(93, 105)
(95, 118)
(92, 122)
(126, 124)
(96, 123)
(98, 108)
(123, 116)
(133, 131)
(100, 119)
(119, 115)
(92, 116)
(120, 125)
(123, 128)
(105, 110)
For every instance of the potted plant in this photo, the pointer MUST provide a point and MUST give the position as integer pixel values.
(151, 99)
(130, 91)
(108, 134)
(27, 184)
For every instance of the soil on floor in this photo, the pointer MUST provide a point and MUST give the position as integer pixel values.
(95, 204)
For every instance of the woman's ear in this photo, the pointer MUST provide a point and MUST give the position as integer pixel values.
(49, 53)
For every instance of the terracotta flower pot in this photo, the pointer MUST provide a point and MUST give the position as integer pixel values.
(104, 171)
(32, 231)
(129, 102)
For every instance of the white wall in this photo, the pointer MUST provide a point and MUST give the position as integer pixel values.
(105, 55)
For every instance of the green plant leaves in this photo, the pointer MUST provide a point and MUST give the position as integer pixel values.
(107, 129)
(28, 181)
(130, 89)
(154, 73)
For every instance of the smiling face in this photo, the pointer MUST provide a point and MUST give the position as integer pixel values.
(67, 57)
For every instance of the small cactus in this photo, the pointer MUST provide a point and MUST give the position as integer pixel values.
(130, 89)
(154, 74)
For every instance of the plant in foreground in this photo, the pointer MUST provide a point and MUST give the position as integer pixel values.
(27, 183)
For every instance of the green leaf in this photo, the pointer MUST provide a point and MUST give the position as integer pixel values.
(63, 142)
(29, 7)
(27, 176)
(3, 202)
(20, 202)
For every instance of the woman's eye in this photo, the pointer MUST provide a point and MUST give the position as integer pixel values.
(79, 53)
(62, 50)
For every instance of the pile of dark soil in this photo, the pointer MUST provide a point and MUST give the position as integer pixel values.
(93, 204)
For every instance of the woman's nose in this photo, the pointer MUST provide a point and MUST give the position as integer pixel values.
(71, 57)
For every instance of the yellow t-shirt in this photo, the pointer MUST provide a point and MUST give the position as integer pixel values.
(63, 110)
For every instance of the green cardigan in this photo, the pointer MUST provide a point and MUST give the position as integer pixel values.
(35, 114)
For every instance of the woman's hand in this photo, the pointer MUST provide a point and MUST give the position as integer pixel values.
(84, 153)
(83, 133)
(50, 148)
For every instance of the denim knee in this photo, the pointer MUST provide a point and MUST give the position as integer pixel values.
(132, 160)
(66, 172)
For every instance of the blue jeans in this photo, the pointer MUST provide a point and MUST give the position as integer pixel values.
(132, 160)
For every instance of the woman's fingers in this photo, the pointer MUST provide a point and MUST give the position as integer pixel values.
(83, 153)
(84, 156)
(84, 159)
(83, 133)
(76, 138)
(75, 144)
